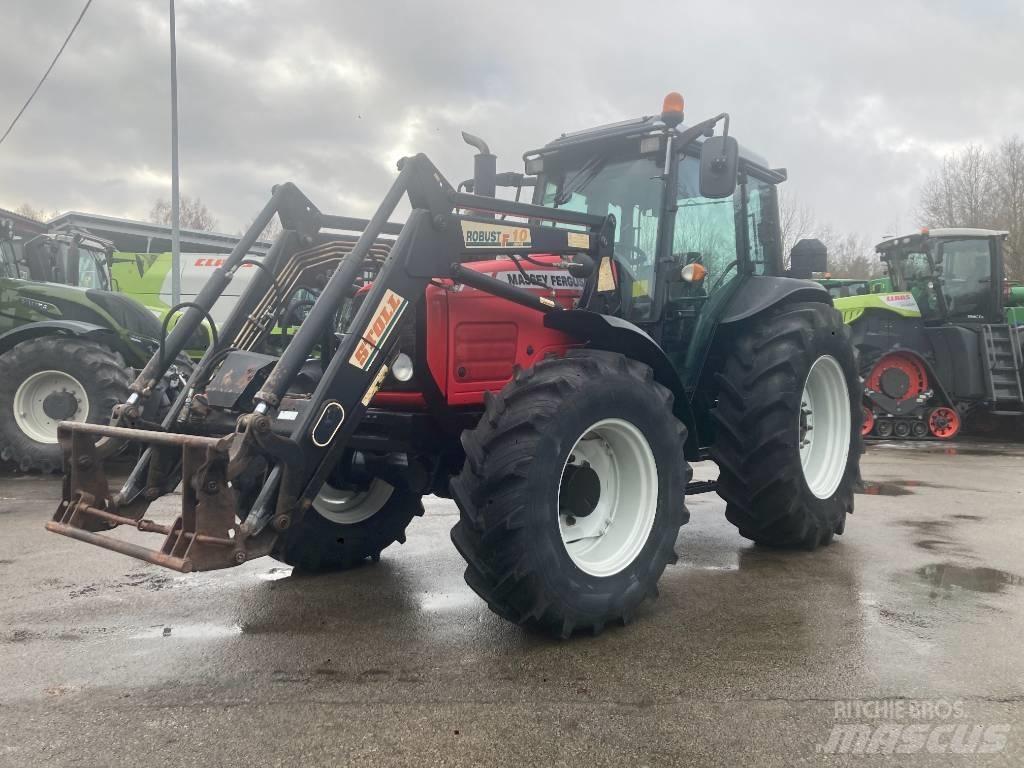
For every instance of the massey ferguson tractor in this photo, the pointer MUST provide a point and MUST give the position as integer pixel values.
(945, 343)
(551, 366)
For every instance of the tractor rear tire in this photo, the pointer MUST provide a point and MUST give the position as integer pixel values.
(589, 434)
(343, 536)
(774, 495)
(51, 379)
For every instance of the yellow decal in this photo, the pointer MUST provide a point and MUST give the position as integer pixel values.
(605, 277)
(383, 322)
(375, 385)
(579, 240)
(477, 234)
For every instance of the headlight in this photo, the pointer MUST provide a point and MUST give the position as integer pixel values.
(401, 368)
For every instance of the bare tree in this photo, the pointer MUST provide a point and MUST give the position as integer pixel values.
(269, 233)
(963, 192)
(193, 214)
(1009, 164)
(796, 220)
(38, 214)
(850, 255)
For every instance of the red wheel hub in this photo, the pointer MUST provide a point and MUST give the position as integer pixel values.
(944, 422)
(869, 420)
(899, 376)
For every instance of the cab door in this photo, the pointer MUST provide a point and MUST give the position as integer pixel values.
(970, 279)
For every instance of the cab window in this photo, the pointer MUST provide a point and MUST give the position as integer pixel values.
(705, 229)
(967, 277)
(8, 260)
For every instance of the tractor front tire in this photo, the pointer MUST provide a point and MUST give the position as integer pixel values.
(50, 379)
(785, 485)
(343, 529)
(572, 493)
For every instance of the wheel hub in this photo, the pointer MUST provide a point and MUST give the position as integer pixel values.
(895, 383)
(580, 490)
(60, 405)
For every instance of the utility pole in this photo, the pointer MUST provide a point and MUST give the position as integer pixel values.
(175, 211)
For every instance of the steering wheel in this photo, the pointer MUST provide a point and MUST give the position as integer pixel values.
(640, 253)
(732, 265)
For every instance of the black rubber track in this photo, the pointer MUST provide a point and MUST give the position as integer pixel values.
(757, 415)
(318, 544)
(100, 370)
(507, 491)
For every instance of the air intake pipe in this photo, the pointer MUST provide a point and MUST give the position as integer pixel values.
(485, 166)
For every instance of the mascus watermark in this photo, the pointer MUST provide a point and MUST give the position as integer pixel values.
(910, 726)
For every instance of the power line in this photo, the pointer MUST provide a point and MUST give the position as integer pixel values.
(47, 72)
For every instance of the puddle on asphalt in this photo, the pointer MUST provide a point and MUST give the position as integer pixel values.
(949, 576)
(892, 487)
(189, 632)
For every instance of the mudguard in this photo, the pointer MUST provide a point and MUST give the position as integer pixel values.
(71, 328)
(760, 292)
(614, 334)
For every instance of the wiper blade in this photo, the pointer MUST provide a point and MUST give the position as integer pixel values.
(583, 177)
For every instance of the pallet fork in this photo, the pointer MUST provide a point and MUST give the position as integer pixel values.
(296, 441)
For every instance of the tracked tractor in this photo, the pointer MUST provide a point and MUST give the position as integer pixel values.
(552, 366)
(945, 343)
(68, 343)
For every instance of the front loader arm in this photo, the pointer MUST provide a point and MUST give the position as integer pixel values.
(444, 229)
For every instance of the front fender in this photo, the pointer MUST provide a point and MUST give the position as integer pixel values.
(70, 328)
(614, 334)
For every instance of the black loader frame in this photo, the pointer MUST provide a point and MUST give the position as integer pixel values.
(299, 439)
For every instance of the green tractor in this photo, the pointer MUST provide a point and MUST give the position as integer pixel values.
(844, 287)
(68, 343)
(945, 342)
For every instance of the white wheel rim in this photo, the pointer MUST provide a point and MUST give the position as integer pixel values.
(823, 427)
(610, 538)
(348, 507)
(29, 412)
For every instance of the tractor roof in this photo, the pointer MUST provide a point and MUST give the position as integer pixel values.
(639, 126)
(892, 242)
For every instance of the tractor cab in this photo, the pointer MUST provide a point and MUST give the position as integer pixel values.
(69, 258)
(695, 215)
(954, 275)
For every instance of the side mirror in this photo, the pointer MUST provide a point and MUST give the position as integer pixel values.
(807, 257)
(719, 163)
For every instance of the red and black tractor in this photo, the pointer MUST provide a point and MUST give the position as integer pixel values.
(551, 366)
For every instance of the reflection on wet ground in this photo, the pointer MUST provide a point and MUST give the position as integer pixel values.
(951, 576)
(743, 653)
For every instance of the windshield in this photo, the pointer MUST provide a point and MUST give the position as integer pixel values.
(912, 270)
(630, 189)
(91, 270)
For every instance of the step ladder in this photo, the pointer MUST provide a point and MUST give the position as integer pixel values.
(1005, 359)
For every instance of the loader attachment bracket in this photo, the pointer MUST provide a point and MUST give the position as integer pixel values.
(206, 535)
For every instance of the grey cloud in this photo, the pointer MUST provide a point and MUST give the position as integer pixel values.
(858, 100)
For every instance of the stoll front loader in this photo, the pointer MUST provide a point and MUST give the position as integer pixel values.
(945, 343)
(551, 366)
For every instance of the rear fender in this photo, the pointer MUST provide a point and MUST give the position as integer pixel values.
(760, 293)
(614, 334)
(71, 329)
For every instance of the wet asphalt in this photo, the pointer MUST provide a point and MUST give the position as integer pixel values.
(749, 656)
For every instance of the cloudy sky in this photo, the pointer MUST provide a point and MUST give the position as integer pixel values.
(859, 100)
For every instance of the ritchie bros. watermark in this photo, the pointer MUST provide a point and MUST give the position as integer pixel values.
(910, 726)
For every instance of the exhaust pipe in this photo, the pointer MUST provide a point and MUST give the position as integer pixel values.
(485, 166)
